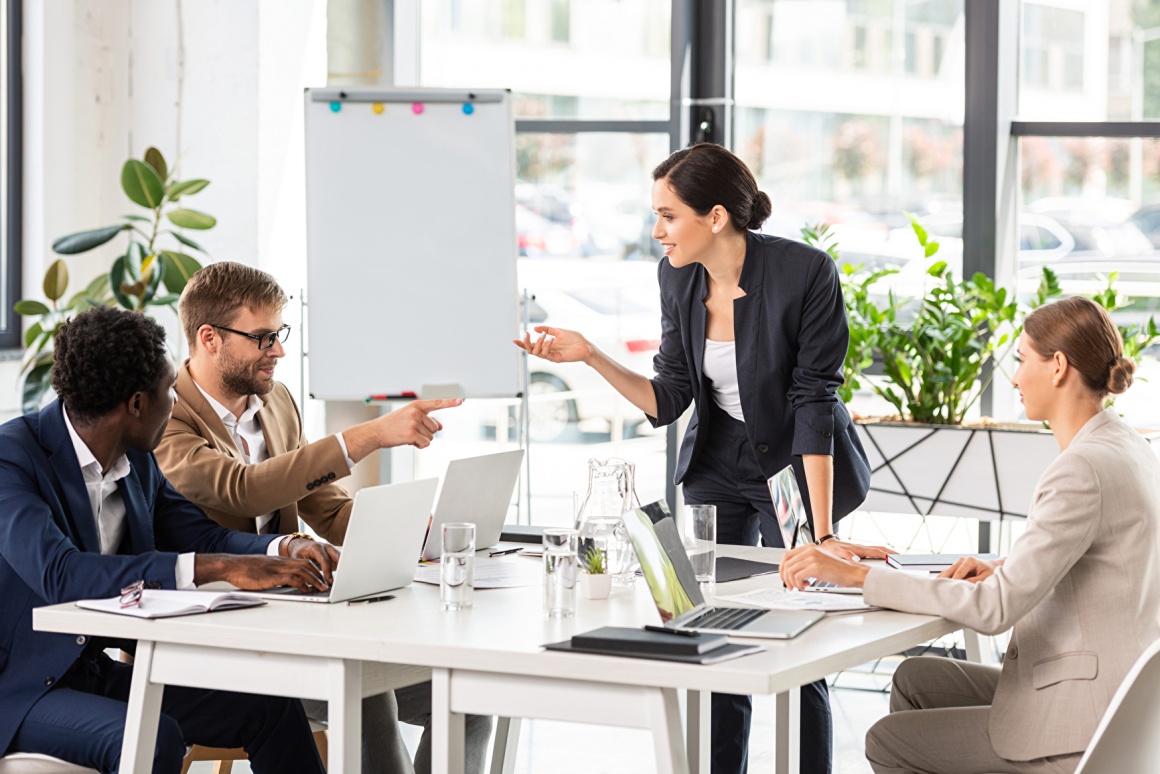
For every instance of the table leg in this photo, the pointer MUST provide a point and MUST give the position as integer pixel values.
(506, 745)
(140, 739)
(665, 714)
(698, 730)
(787, 732)
(977, 648)
(345, 717)
(447, 727)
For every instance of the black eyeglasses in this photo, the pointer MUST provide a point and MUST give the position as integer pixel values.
(265, 340)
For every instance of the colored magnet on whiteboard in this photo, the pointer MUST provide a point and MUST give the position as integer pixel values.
(335, 107)
(377, 107)
(417, 108)
(468, 108)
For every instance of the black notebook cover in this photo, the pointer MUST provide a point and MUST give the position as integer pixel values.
(622, 639)
(730, 568)
(723, 653)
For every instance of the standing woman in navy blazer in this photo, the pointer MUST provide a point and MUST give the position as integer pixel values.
(753, 333)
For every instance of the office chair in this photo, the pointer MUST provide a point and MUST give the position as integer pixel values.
(224, 758)
(1126, 741)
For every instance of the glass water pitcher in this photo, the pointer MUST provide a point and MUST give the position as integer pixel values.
(599, 520)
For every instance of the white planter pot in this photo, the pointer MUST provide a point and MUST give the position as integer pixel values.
(986, 473)
(595, 586)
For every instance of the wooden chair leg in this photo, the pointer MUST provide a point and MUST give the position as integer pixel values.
(322, 742)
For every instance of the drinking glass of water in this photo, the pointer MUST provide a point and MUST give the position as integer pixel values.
(560, 573)
(457, 568)
(701, 541)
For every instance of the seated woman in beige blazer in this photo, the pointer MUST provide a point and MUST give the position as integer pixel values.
(1081, 586)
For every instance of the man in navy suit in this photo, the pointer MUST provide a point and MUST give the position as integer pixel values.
(85, 512)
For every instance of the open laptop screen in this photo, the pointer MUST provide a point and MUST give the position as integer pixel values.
(663, 560)
(790, 510)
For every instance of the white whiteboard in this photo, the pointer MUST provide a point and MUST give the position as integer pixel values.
(411, 242)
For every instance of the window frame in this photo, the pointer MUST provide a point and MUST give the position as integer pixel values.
(11, 338)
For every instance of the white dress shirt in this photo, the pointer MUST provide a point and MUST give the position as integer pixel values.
(246, 433)
(720, 366)
(108, 505)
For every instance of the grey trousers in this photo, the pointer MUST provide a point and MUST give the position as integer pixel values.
(939, 714)
(383, 749)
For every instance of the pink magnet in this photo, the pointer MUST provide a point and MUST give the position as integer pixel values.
(417, 108)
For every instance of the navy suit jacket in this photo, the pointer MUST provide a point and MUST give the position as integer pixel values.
(791, 339)
(49, 549)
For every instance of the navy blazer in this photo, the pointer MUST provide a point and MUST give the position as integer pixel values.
(50, 551)
(791, 339)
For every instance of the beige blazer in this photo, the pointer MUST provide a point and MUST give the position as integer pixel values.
(1081, 587)
(199, 458)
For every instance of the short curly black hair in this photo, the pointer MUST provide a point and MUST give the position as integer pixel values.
(103, 356)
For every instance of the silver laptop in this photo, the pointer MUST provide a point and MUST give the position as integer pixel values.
(795, 527)
(476, 490)
(382, 540)
(677, 595)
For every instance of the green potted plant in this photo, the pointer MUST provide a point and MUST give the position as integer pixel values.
(595, 582)
(939, 352)
(148, 274)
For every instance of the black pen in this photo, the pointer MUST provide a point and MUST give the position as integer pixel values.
(505, 552)
(368, 600)
(664, 630)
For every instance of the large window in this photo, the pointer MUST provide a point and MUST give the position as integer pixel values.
(591, 83)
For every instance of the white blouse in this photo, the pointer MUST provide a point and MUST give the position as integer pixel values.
(720, 365)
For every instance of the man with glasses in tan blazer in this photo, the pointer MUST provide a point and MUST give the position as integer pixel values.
(236, 448)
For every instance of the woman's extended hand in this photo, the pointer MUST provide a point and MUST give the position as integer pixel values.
(556, 344)
(971, 569)
(846, 550)
(800, 564)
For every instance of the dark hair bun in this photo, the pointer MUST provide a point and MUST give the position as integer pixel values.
(1120, 375)
(762, 208)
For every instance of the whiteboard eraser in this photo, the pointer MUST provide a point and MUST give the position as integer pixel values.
(437, 391)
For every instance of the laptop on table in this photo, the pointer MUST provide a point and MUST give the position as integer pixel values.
(382, 541)
(795, 527)
(677, 595)
(476, 490)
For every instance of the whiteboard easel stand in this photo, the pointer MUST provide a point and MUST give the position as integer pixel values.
(524, 435)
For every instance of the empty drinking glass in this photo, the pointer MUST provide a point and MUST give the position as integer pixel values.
(701, 541)
(457, 568)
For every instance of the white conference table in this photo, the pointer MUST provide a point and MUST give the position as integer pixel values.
(484, 661)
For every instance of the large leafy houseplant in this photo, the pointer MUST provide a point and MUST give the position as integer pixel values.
(940, 351)
(148, 274)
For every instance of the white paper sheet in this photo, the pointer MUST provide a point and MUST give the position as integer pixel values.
(502, 572)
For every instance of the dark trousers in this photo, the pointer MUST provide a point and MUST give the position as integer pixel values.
(726, 474)
(82, 720)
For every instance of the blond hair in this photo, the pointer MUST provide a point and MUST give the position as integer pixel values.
(216, 294)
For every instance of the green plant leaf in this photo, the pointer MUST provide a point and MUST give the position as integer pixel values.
(154, 159)
(35, 385)
(919, 231)
(930, 248)
(187, 241)
(191, 219)
(137, 218)
(134, 258)
(169, 299)
(152, 279)
(185, 188)
(29, 307)
(116, 280)
(141, 184)
(937, 269)
(86, 240)
(176, 269)
(56, 280)
(30, 335)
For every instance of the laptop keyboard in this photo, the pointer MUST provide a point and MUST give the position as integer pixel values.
(820, 584)
(727, 618)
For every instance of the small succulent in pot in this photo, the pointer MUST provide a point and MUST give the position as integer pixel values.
(595, 582)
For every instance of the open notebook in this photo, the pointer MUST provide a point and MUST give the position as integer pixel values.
(161, 603)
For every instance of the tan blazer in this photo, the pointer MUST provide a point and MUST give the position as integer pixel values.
(1081, 587)
(199, 458)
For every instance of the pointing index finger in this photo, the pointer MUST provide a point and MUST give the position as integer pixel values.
(434, 404)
